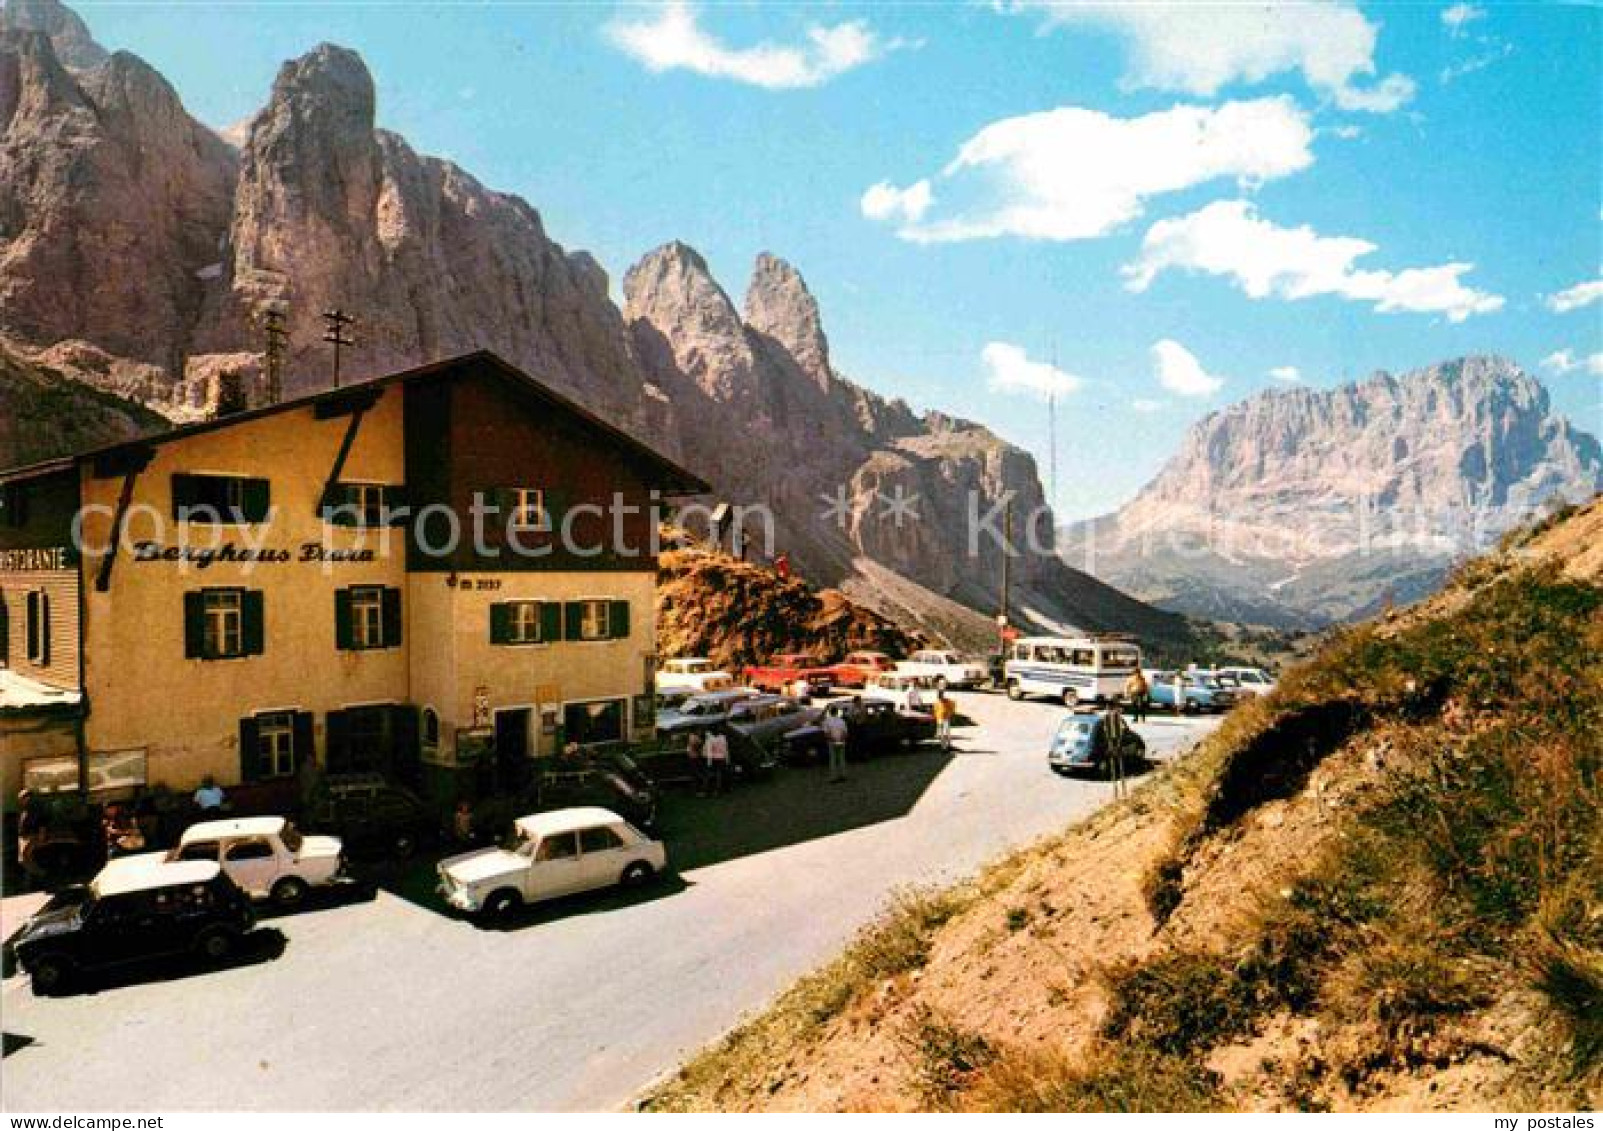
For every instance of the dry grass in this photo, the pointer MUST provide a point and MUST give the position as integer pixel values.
(1109, 1077)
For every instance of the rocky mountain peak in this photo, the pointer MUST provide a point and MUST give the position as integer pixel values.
(68, 34)
(676, 307)
(779, 305)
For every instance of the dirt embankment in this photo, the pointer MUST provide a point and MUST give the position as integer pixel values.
(1381, 888)
(734, 612)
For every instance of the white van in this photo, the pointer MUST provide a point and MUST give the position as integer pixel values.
(1079, 669)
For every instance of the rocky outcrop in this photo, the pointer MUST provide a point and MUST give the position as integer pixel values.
(112, 201)
(1306, 505)
(44, 413)
(68, 35)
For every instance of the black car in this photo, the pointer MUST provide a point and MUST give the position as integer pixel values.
(872, 725)
(669, 762)
(608, 781)
(372, 815)
(135, 910)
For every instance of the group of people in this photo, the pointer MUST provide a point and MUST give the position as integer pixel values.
(709, 760)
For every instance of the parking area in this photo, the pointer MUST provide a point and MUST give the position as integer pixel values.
(386, 1002)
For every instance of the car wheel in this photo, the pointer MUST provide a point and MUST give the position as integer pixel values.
(1071, 698)
(289, 892)
(215, 945)
(403, 846)
(502, 904)
(1014, 691)
(49, 973)
(637, 874)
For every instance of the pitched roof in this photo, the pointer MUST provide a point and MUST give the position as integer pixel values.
(675, 479)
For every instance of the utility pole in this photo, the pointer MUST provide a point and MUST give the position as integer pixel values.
(273, 354)
(337, 321)
(1007, 555)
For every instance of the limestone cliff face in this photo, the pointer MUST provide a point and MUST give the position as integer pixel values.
(1322, 500)
(112, 200)
(139, 251)
(858, 484)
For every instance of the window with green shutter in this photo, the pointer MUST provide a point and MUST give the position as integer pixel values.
(367, 617)
(518, 622)
(220, 498)
(597, 619)
(224, 624)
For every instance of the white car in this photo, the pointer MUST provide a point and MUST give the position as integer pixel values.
(267, 856)
(945, 669)
(909, 692)
(549, 855)
(1248, 681)
(692, 675)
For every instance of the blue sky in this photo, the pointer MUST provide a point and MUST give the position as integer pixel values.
(1162, 198)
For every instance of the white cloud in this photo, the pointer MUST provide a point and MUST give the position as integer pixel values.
(1455, 71)
(1179, 371)
(1265, 260)
(1457, 17)
(1286, 373)
(1564, 361)
(672, 38)
(1581, 294)
(1071, 173)
(885, 201)
(1147, 405)
(1012, 371)
(1201, 48)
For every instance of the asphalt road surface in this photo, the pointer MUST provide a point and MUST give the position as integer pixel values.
(389, 1004)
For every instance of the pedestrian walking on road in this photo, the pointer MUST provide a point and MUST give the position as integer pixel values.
(1138, 694)
(836, 733)
(945, 710)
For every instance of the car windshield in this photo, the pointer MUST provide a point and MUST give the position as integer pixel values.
(291, 837)
(516, 840)
(1076, 727)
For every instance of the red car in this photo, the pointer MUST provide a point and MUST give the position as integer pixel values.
(856, 669)
(781, 673)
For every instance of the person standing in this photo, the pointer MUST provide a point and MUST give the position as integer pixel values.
(210, 798)
(945, 711)
(1137, 693)
(717, 755)
(836, 733)
(695, 751)
(915, 698)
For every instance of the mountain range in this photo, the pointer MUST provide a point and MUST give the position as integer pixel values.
(140, 249)
(1301, 507)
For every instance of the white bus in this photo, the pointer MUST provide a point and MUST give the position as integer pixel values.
(1079, 669)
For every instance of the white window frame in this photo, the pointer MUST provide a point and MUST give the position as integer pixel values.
(223, 611)
(585, 622)
(525, 616)
(367, 616)
(275, 726)
(370, 502)
(524, 501)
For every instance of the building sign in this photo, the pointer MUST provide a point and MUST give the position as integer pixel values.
(202, 556)
(28, 561)
(481, 706)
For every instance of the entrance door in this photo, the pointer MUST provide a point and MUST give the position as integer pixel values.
(512, 746)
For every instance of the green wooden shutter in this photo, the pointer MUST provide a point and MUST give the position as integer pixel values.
(550, 621)
(44, 629)
(183, 493)
(344, 638)
(305, 753)
(338, 742)
(397, 506)
(500, 623)
(573, 620)
(195, 625)
(258, 497)
(250, 753)
(392, 617)
(618, 620)
(253, 622)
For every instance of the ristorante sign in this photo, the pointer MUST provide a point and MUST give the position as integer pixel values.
(202, 556)
(29, 561)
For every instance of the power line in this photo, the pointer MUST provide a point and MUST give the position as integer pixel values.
(337, 321)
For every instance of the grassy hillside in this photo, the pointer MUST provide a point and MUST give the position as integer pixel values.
(1380, 888)
(712, 604)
